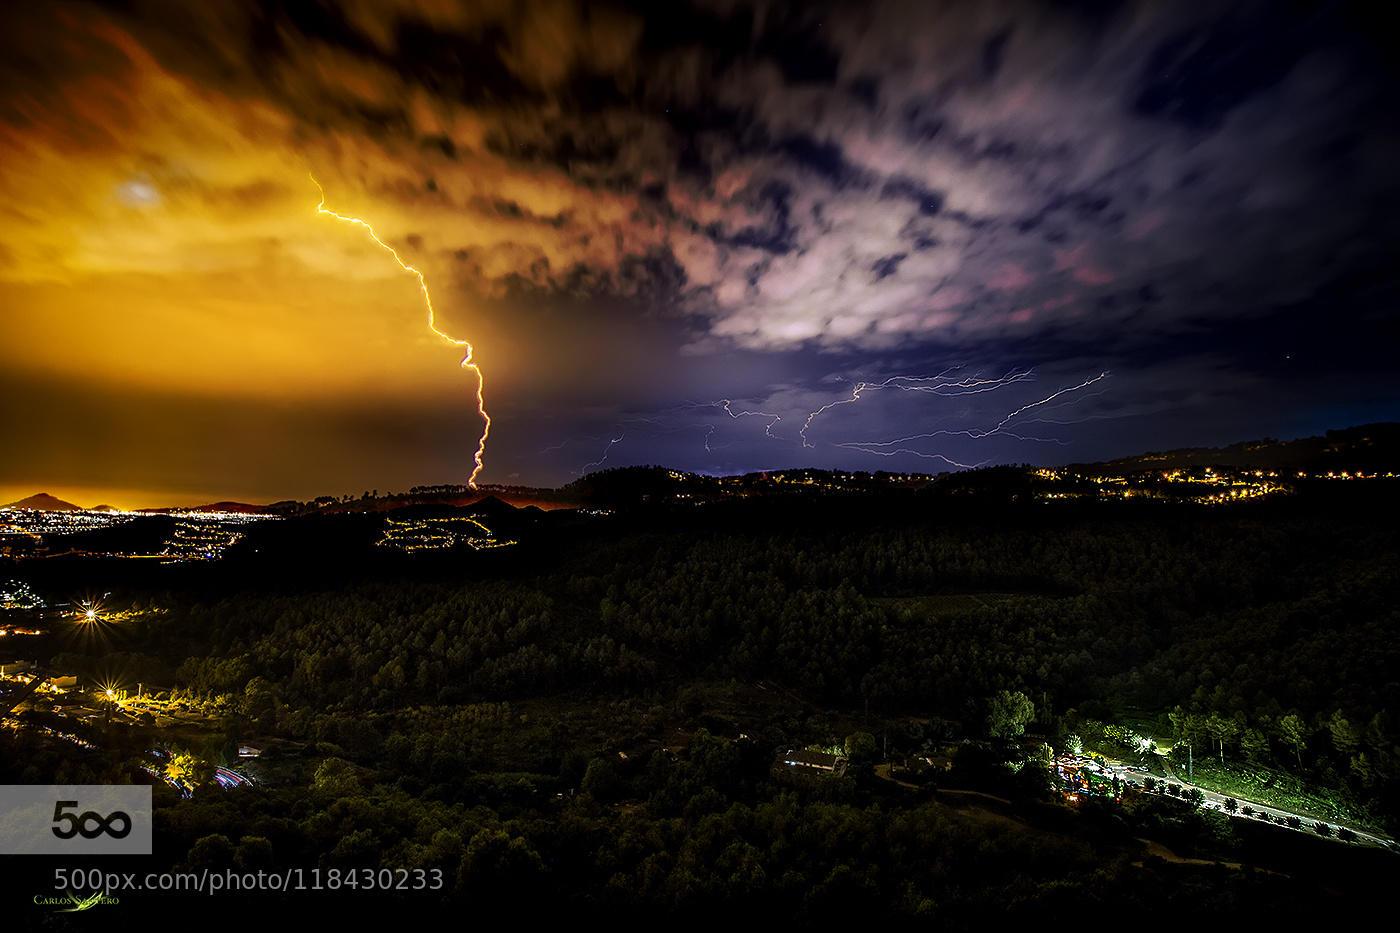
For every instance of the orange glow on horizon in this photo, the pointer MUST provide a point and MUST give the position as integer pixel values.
(467, 362)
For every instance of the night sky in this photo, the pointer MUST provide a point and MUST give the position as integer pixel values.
(1075, 230)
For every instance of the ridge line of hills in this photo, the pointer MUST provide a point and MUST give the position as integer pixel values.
(1370, 448)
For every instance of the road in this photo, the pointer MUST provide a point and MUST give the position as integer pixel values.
(1216, 801)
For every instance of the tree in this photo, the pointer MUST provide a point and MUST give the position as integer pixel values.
(1345, 736)
(1188, 726)
(1196, 796)
(253, 852)
(1232, 805)
(500, 863)
(1221, 730)
(1008, 714)
(337, 778)
(601, 780)
(212, 851)
(861, 748)
(1254, 744)
(1293, 731)
(187, 771)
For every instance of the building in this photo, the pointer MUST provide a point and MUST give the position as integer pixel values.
(803, 761)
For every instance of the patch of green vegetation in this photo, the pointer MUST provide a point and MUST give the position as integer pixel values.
(1279, 789)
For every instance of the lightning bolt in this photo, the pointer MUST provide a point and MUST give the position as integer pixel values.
(467, 362)
(1083, 385)
(1000, 428)
(736, 415)
(940, 384)
(604, 458)
(917, 453)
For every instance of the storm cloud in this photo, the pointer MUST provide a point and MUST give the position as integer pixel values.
(638, 212)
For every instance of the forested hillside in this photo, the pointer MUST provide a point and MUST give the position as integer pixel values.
(602, 664)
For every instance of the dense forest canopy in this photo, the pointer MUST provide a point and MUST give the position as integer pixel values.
(471, 692)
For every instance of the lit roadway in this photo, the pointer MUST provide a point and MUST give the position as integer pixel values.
(1216, 801)
(230, 779)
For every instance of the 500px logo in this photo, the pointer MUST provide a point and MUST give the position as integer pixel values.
(78, 825)
(75, 819)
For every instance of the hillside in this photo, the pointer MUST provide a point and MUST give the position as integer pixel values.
(45, 503)
(1368, 448)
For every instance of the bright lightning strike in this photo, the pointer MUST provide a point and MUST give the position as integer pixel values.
(467, 362)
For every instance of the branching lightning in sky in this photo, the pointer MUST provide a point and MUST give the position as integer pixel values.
(736, 415)
(941, 384)
(724, 403)
(871, 447)
(467, 362)
(604, 458)
(917, 453)
(951, 383)
(1049, 398)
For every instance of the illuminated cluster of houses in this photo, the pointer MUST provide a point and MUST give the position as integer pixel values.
(200, 540)
(436, 534)
(17, 594)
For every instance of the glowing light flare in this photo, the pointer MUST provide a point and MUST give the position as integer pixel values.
(111, 691)
(467, 361)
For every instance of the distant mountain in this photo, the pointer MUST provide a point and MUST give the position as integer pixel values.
(226, 506)
(44, 502)
(1368, 447)
(104, 507)
(487, 498)
(240, 507)
(491, 506)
